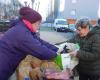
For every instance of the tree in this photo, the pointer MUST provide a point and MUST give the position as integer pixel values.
(32, 2)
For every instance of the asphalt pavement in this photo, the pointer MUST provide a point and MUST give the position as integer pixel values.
(48, 34)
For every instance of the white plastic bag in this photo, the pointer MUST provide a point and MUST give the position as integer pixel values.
(68, 61)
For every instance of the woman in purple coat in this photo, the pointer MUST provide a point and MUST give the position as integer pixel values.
(21, 40)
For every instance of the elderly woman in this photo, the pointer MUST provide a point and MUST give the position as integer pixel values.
(88, 39)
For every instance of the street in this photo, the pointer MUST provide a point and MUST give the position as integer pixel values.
(55, 37)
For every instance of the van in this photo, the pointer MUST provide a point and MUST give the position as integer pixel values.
(60, 25)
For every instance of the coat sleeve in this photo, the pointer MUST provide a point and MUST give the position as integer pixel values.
(50, 46)
(95, 52)
(74, 39)
(35, 47)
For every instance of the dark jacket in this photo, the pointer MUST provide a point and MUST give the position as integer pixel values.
(89, 53)
(17, 43)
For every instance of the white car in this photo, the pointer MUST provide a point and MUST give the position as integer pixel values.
(60, 25)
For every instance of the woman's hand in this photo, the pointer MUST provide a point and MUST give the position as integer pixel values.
(74, 53)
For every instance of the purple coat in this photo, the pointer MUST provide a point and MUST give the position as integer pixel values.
(17, 43)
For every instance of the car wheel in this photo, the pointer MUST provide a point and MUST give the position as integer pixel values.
(57, 30)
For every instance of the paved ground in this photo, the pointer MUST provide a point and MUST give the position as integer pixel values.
(53, 37)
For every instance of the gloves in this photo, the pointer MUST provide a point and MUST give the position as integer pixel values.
(61, 48)
(67, 47)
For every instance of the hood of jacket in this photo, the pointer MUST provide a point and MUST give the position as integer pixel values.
(14, 22)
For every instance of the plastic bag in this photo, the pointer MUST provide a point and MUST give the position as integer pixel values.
(64, 60)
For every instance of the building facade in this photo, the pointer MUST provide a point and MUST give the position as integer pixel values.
(75, 9)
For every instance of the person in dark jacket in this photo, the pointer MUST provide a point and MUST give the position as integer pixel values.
(88, 39)
(98, 22)
(20, 40)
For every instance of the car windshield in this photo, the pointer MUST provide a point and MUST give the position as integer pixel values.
(62, 22)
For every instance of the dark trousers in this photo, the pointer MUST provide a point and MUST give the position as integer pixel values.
(83, 76)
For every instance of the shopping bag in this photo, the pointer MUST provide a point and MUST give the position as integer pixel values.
(64, 60)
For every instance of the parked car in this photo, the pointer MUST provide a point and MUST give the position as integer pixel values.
(72, 27)
(4, 25)
(4, 21)
(60, 25)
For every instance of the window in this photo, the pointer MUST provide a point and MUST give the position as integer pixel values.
(74, 1)
(73, 12)
(62, 5)
(62, 22)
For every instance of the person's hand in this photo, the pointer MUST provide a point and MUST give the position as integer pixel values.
(61, 48)
(72, 46)
(74, 53)
(69, 46)
(66, 46)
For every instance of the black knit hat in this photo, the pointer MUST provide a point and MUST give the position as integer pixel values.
(29, 14)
